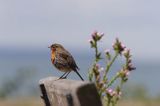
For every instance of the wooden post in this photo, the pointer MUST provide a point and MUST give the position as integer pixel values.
(64, 92)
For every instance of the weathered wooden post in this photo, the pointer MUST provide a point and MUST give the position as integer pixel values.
(66, 92)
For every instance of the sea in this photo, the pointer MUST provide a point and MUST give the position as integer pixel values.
(36, 65)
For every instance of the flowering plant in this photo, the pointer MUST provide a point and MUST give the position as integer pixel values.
(99, 75)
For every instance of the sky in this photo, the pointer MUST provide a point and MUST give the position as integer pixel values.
(35, 24)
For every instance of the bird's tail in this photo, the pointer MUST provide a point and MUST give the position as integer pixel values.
(79, 75)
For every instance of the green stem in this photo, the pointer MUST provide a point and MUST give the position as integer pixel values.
(121, 84)
(112, 80)
(95, 61)
(109, 101)
(110, 83)
(107, 69)
(96, 50)
(113, 103)
(110, 64)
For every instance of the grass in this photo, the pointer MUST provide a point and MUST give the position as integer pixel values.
(139, 103)
(22, 102)
(39, 102)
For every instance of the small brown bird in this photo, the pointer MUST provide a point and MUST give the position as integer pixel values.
(63, 60)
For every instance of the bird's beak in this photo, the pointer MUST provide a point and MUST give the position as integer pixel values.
(49, 47)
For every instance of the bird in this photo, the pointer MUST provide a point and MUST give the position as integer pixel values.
(63, 61)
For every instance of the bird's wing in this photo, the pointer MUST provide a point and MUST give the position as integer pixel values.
(61, 58)
(67, 57)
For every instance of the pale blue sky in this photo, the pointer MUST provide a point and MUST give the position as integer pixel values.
(38, 23)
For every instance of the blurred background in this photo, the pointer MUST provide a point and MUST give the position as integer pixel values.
(28, 27)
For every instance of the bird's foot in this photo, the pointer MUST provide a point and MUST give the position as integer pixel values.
(63, 78)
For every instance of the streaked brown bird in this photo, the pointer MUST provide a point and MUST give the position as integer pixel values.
(63, 60)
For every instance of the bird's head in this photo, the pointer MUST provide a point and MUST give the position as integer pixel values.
(55, 46)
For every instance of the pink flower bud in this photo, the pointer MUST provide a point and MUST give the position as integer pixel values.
(97, 66)
(107, 51)
(90, 40)
(101, 69)
(94, 33)
(109, 90)
(119, 94)
(123, 46)
(127, 73)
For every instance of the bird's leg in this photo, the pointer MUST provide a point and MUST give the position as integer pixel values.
(66, 75)
(62, 76)
(79, 75)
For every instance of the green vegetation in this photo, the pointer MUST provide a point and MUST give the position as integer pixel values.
(13, 84)
(99, 75)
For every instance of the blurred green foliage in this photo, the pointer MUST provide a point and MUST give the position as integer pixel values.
(14, 83)
(136, 92)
